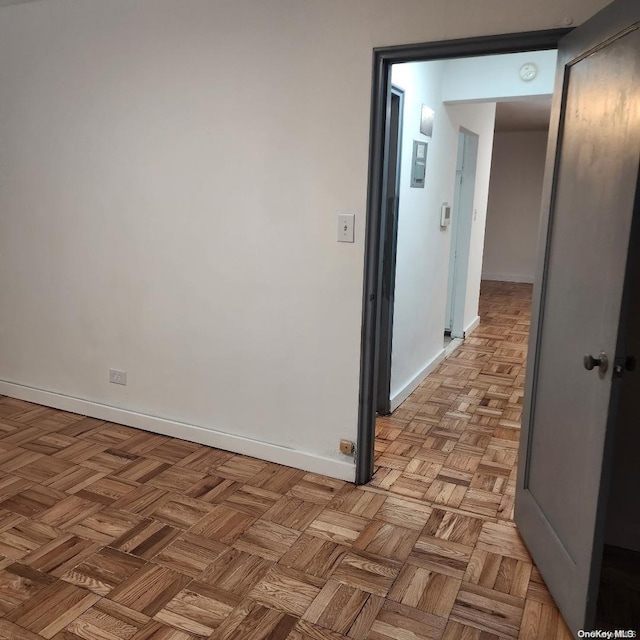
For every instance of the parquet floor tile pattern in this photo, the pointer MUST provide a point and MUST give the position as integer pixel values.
(110, 533)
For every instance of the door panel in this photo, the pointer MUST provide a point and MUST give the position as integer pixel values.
(455, 218)
(591, 187)
(587, 259)
(390, 214)
(462, 223)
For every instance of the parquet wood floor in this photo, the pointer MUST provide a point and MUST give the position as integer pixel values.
(109, 533)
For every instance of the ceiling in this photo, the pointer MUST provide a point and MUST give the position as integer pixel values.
(523, 115)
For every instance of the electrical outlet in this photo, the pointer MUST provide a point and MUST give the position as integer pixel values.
(118, 377)
(347, 447)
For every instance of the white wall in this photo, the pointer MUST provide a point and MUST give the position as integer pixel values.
(423, 246)
(466, 78)
(515, 194)
(170, 176)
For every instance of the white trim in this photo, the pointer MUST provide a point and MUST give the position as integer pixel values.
(304, 460)
(412, 385)
(452, 346)
(504, 278)
(472, 326)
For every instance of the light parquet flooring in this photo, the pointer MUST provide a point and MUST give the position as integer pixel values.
(109, 533)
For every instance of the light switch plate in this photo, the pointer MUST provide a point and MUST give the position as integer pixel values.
(346, 222)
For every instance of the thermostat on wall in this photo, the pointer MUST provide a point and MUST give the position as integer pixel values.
(445, 215)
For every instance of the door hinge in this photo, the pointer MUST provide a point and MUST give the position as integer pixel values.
(622, 364)
(618, 367)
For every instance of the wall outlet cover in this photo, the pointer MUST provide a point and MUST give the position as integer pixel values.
(118, 377)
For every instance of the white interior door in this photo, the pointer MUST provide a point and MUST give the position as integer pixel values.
(461, 227)
(455, 218)
(590, 197)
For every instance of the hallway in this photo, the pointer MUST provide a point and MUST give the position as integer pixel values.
(118, 534)
(464, 419)
(451, 449)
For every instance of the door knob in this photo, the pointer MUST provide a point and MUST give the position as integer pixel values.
(602, 362)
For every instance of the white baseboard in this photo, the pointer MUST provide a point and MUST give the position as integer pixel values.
(472, 326)
(505, 278)
(342, 470)
(412, 385)
(452, 346)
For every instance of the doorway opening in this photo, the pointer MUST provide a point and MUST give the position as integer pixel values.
(566, 540)
(434, 209)
(431, 238)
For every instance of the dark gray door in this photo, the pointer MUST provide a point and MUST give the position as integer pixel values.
(590, 197)
(390, 212)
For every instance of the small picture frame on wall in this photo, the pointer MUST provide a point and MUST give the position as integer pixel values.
(426, 121)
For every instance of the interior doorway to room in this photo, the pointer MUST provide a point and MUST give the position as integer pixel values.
(440, 123)
(461, 221)
(566, 543)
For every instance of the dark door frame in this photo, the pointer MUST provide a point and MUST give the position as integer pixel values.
(374, 266)
(390, 212)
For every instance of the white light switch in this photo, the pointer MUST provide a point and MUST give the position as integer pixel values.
(346, 223)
